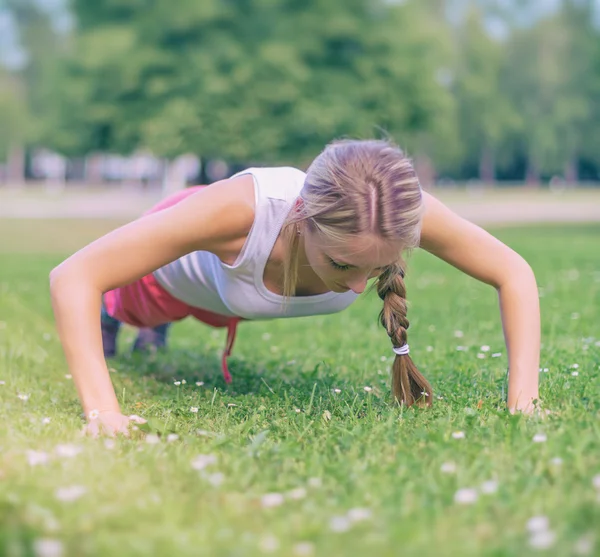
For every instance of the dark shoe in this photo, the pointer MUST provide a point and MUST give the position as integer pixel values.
(151, 340)
(109, 338)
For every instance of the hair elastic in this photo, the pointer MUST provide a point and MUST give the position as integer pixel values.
(401, 350)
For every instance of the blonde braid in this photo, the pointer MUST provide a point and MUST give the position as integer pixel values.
(408, 384)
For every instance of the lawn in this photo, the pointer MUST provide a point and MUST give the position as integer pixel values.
(304, 454)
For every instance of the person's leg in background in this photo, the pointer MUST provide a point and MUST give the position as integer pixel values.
(110, 330)
(149, 339)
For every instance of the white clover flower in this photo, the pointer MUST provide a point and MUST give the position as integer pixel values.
(67, 451)
(177, 383)
(203, 460)
(46, 547)
(458, 435)
(485, 348)
(68, 376)
(540, 438)
(497, 355)
(22, 396)
(359, 514)
(215, 479)
(297, 410)
(461, 348)
(481, 356)
(93, 415)
(459, 334)
(556, 461)
(268, 544)
(596, 481)
(172, 437)
(45, 421)
(70, 493)
(199, 383)
(315, 482)
(35, 458)
(194, 409)
(337, 391)
(542, 540)
(538, 524)
(152, 439)
(489, 487)
(584, 545)
(368, 389)
(575, 366)
(270, 500)
(465, 496)
(339, 524)
(2, 382)
(231, 405)
(448, 468)
(297, 493)
(303, 549)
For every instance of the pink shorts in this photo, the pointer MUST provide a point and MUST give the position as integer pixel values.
(145, 303)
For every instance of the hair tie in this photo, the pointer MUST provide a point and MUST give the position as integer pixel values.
(401, 350)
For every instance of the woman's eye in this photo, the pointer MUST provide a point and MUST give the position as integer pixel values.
(338, 266)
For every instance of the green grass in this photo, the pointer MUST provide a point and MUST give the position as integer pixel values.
(280, 426)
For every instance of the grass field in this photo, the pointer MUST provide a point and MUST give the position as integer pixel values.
(304, 454)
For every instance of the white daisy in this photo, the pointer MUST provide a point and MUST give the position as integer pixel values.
(35, 458)
(203, 460)
(339, 524)
(270, 500)
(70, 493)
(297, 493)
(46, 547)
(465, 496)
(448, 468)
(542, 540)
(67, 451)
(538, 524)
(359, 514)
(303, 549)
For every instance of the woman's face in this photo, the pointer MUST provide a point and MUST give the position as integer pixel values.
(348, 264)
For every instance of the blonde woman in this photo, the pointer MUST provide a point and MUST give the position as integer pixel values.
(273, 243)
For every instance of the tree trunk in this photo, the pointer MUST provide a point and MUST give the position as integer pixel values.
(532, 175)
(571, 170)
(16, 166)
(487, 166)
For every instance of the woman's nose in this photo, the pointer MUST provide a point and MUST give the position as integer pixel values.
(358, 285)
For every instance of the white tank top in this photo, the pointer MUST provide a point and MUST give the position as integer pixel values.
(202, 280)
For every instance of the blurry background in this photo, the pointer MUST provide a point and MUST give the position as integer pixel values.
(153, 94)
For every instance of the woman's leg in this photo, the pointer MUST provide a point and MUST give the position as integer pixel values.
(151, 339)
(110, 330)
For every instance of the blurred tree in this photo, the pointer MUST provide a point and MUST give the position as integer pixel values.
(269, 80)
(14, 122)
(486, 114)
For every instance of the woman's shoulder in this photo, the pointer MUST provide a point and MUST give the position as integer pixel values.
(276, 182)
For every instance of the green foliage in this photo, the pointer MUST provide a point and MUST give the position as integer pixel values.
(281, 425)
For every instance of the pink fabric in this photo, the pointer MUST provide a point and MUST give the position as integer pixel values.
(145, 303)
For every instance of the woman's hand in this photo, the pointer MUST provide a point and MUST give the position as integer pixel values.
(110, 423)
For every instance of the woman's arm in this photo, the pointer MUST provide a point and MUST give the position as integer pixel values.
(480, 255)
(215, 219)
